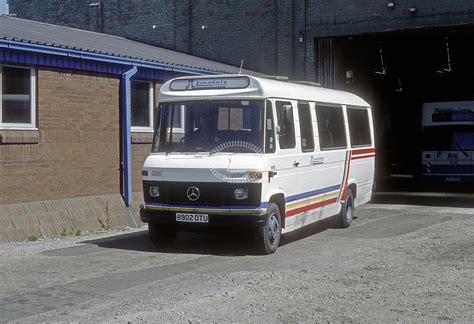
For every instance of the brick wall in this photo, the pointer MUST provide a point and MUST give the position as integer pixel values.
(122, 17)
(77, 153)
(72, 13)
(342, 17)
(66, 174)
(264, 33)
(236, 30)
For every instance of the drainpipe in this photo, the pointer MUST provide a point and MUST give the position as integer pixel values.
(126, 162)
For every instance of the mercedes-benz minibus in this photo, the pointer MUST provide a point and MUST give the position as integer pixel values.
(270, 156)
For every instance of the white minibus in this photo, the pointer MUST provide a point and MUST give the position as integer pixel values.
(260, 153)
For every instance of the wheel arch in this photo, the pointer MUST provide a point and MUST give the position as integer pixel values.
(279, 199)
(353, 186)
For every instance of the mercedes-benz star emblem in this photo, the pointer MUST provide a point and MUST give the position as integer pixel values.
(193, 193)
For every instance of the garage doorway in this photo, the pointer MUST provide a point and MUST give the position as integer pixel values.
(396, 73)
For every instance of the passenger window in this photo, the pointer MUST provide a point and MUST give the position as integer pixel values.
(359, 127)
(306, 128)
(269, 129)
(285, 129)
(332, 133)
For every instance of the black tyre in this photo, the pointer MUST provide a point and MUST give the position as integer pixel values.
(268, 236)
(161, 234)
(347, 212)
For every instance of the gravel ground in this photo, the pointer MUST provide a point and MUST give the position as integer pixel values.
(395, 263)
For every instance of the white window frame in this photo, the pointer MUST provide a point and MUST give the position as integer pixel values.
(151, 99)
(20, 126)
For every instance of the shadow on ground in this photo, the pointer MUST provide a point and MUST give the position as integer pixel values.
(241, 243)
(232, 244)
(228, 243)
(408, 191)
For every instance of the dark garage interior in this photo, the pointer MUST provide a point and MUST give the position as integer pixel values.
(396, 72)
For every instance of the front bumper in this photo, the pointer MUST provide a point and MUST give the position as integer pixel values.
(223, 219)
(446, 178)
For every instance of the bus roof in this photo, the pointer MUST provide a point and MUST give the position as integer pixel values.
(250, 87)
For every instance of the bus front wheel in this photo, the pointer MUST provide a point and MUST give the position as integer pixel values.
(269, 235)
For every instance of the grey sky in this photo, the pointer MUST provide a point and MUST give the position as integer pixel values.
(3, 6)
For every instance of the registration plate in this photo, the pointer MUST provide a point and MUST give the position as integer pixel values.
(192, 218)
(453, 179)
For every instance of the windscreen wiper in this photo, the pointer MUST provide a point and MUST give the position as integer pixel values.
(460, 148)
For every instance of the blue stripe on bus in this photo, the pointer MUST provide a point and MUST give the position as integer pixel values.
(452, 169)
(312, 193)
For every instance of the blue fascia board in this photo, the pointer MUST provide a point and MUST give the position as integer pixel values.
(15, 45)
(41, 59)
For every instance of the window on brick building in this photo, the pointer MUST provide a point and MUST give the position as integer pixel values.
(17, 97)
(142, 105)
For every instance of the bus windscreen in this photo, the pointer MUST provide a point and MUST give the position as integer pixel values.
(448, 138)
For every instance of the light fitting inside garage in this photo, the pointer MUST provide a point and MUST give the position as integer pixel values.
(399, 88)
(448, 56)
(384, 68)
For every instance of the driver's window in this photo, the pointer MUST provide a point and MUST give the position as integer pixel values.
(173, 121)
(285, 129)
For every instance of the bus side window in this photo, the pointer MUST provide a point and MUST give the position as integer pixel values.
(285, 129)
(359, 127)
(332, 133)
(269, 129)
(306, 127)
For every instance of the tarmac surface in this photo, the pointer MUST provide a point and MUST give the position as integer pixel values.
(395, 263)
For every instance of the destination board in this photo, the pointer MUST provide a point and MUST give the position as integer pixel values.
(210, 83)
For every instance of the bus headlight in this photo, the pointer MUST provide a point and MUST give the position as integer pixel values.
(154, 192)
(255, 175)
(427, 167)
(241, 194)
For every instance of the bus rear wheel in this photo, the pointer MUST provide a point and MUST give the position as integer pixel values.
(347, 211)
(161, 234)
(269, 235)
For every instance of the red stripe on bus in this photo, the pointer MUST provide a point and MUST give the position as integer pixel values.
(309, 207)
(346, 184)
(363, 157)
(363, 151)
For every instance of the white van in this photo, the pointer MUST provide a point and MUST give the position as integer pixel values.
(237, 150)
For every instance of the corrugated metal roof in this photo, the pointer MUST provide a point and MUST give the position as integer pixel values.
(28, 31)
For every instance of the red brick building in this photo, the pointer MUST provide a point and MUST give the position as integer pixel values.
(68, 161)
